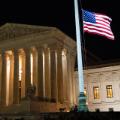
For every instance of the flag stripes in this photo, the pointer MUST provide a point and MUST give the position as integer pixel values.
(97, 24)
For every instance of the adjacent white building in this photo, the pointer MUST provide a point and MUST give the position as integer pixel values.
(102, 88)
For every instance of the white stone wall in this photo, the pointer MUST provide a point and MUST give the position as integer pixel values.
(102, 77)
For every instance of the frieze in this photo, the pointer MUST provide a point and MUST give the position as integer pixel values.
(106, 76)
(93, 77)
(116, 75)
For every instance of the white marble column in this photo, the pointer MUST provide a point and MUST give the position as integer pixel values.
(27, 69)
(60, 76)
(16, 77)
(70, 78)
(40, 73)
(65, 74)
(47, 73)
(3, 79)
(35, 70)
(54, 86)
(11, 80)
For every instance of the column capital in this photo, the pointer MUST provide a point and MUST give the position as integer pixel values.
(2, 51)
(27, 52)
(52, 47)
(39, 48)
(15, 50)
(27, 49)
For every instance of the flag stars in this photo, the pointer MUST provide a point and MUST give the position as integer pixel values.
(89, 16)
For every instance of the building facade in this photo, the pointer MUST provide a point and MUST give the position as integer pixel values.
(36, 69)
(102, 86)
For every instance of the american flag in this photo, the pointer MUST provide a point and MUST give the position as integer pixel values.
(97, 24)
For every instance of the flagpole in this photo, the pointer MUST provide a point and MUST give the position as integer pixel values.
(82, 99)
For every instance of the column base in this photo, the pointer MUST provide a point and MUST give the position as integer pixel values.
(82, 107)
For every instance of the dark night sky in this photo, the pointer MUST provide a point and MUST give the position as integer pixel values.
(60, 13)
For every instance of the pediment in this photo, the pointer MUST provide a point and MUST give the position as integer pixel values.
(22, 33)
(13, 30)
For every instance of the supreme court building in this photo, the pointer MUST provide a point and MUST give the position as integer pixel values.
(36, 69)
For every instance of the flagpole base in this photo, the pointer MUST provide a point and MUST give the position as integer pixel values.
(82, 107)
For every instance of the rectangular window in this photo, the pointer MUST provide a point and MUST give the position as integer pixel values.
(109, 91)
(96, 92)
